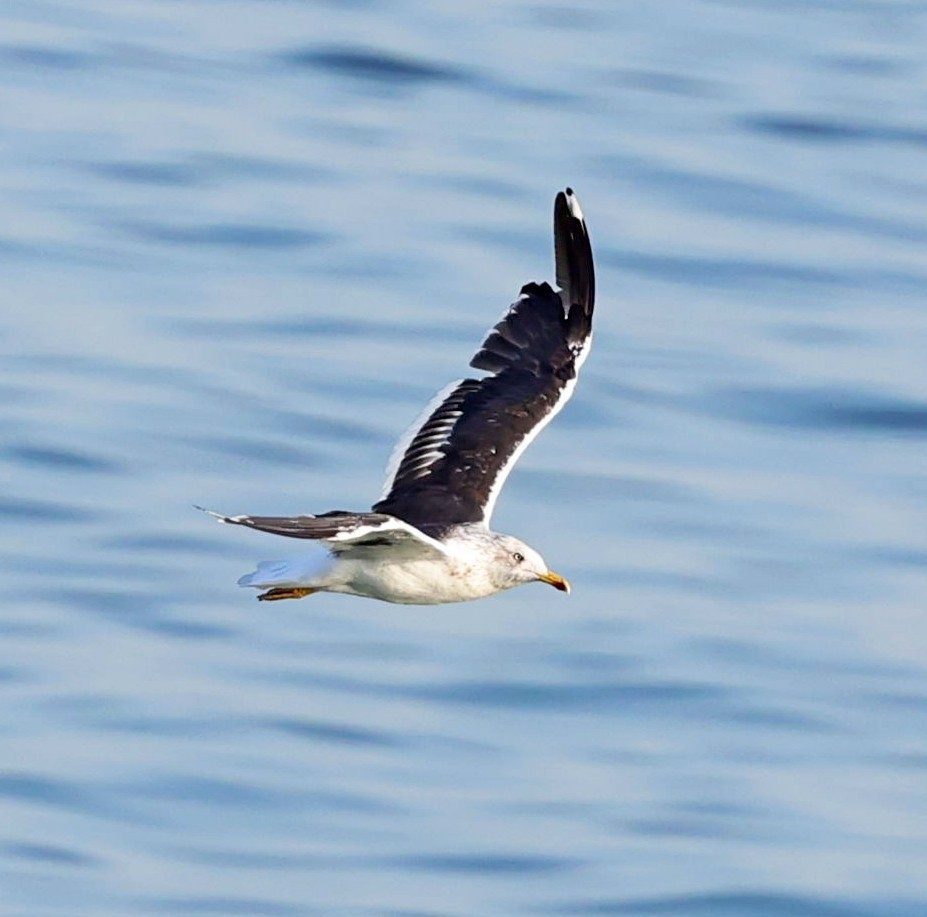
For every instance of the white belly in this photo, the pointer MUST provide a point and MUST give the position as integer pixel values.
(413, 582)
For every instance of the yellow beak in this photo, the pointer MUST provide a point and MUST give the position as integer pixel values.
(555, 580)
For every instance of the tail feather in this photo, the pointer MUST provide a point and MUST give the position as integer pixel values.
(303, 571)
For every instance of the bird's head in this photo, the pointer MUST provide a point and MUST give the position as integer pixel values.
(518, 563)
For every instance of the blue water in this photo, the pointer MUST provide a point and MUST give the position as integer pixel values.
(242, 243)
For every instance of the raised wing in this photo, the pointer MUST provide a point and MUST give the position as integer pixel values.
(452, 464)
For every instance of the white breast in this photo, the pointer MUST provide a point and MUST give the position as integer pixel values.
(426, 581)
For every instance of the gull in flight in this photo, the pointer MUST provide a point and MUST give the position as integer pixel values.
(427, 539)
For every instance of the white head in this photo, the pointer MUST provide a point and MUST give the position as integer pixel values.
(517, 563)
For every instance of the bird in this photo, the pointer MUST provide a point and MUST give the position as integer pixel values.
(427, 540)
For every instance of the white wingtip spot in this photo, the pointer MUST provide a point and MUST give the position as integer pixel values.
(573, 205)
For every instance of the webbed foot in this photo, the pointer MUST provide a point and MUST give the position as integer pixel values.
(273, 595)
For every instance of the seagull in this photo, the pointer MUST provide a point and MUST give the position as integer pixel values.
(427, 540)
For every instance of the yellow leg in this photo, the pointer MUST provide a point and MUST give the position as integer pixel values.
(273, 595)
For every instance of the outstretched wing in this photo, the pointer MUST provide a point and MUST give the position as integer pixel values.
(452, 464)
(342, 531)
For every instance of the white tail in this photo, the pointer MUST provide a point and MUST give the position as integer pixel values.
(303, 571)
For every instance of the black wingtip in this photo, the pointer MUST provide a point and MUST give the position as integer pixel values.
(573, 254)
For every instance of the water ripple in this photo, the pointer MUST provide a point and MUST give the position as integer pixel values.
(488, 864)
(229, 235)
(61, 459)
(338, 733)
(730, 273)
(48, 853)
(757, 904)
(44, 58)
(565, 696)
(824, 410)
(41, 511)
(373, 64)
(824, 130)
(245, 905)
(57, 794)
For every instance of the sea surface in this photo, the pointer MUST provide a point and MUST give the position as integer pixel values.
(242, 242)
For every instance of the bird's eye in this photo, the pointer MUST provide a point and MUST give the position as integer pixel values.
(518, 558)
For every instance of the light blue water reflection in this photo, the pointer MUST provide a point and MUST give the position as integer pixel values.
(242, 243)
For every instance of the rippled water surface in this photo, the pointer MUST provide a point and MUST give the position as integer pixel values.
(243, 242)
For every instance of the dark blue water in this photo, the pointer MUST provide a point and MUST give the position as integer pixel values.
(242, 243)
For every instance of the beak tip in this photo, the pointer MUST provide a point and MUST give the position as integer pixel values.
(557, 581)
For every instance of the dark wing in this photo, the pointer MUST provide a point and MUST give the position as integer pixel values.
(451, 466)
(342, 531)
